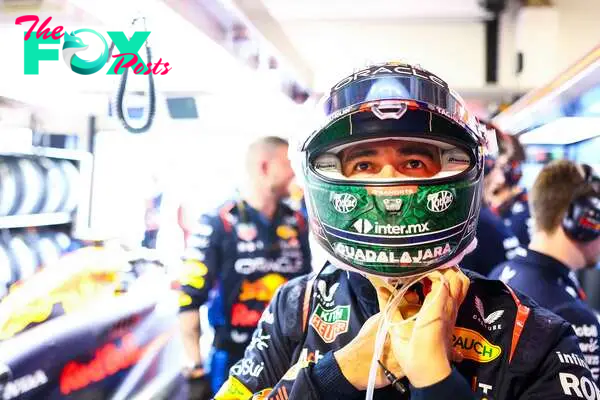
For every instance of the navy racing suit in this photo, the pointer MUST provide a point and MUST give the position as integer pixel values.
(554, 286)
(513, 349)
(235, 260)
(495, 243)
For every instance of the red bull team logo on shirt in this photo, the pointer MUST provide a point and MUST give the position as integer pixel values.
(261, 289)
(330, 323)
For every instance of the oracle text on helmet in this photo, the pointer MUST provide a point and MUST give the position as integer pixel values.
(398, 69)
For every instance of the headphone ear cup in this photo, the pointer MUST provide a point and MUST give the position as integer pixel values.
(588, 172)
(572, 225)
(568, 223)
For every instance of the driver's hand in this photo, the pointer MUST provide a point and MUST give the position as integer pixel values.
(354, 359)
(423, 347)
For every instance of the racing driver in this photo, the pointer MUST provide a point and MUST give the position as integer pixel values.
(393, 179)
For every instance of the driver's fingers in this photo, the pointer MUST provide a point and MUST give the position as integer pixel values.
(455, 355)
(435, 302)
(383, 296)
(452, 276)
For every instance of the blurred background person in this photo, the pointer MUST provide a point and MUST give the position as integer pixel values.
(296, 199)
(510, 200)
(152, 214)
(495, 242)
(565, 204)
(238, 256)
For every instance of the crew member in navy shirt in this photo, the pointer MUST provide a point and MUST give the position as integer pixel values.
(565, 204)
(495, 241)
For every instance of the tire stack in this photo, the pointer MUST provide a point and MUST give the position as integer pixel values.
(23, 253)
(30, 186)
(37, 185)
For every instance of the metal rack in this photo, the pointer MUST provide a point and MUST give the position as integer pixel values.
(80, 218)
(34, 220)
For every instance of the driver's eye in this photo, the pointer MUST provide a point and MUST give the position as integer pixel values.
(414, 164)
(362, 166)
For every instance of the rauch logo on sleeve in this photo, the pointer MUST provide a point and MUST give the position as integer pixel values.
(474, 346)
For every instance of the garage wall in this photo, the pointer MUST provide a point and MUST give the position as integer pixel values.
(552, 43)
(453, 50)
(579, 29)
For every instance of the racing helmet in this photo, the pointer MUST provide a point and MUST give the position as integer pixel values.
(406, 224)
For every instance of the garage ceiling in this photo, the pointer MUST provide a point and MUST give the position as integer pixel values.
(289, 10)
(331, 36)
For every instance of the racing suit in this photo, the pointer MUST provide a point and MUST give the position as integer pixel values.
(495, 243)
(513, 348)
(236, 259)
(554, 286)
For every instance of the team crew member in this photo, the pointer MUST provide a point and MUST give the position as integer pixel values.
(152, 214)
(497, 243)
(243, 251)
(510, 201)
(565, 202)
(393, 179)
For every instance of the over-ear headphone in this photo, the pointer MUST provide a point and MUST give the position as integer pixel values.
(512, 173)
(582, 219)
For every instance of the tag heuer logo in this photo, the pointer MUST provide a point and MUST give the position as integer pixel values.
(330, 323)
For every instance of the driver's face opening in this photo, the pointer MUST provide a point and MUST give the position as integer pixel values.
(394, 159)
(391, 159)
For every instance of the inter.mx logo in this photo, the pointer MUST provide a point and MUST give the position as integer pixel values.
(365, 226)
(128, 56)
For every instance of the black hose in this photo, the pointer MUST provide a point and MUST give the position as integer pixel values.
(151, 98)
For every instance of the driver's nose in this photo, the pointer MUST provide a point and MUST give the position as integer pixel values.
(388, 171)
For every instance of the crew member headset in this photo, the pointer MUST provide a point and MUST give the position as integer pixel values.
(582, 219)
